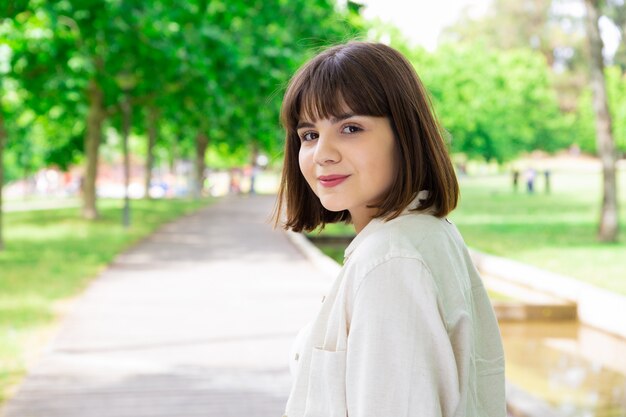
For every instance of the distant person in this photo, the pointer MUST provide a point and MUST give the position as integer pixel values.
(546, 176)
(254, 172)
(235, 181)
(407, 328)
(530, 180)
(515, 179)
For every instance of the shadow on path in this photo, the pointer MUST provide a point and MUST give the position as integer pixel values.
(196, 320)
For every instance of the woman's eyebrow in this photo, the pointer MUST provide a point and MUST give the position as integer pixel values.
(333, 120)
(341, 117)
(304, 124)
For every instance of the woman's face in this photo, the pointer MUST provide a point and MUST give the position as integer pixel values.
(348, 161)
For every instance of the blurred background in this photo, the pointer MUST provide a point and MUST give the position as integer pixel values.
(118, 116)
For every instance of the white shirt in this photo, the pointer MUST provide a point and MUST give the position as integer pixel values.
(406, 330)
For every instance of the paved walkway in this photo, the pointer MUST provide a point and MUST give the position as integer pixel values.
(197, 320)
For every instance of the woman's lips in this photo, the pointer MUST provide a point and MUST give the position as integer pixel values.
(332, 180)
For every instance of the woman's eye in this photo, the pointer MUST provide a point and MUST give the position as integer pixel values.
(308, 136)
(351, 129)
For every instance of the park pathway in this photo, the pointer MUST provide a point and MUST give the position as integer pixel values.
(196, 320)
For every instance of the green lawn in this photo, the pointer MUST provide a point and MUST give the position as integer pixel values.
(50, 256)
(555, 231)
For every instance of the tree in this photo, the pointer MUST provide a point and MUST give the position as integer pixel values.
(238, 58)
(545, 26)
(494, 104)
(609, 223)
(616, 12)
(152, 118)
(221, 68)
(59, 66)
(2, 141)
(77, 65)
(7, 83)
(573, 70)
(585, 129)
(156, 29)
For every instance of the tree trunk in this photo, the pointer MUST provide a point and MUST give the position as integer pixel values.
(93, 135)
(173, 157)
(609, 224)
(152, 116)
(3, 135)
(127, 112)
(202, 143)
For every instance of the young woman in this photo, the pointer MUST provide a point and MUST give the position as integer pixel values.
(407, 329)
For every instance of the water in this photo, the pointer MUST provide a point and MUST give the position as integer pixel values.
(578, 371)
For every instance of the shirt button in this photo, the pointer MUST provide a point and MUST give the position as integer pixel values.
(297, 356)
(323, 298)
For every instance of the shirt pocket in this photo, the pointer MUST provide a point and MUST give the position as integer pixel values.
(326, 395)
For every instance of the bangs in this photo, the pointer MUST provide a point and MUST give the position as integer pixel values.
(331, 87)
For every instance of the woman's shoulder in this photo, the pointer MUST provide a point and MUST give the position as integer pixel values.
(415, 222)
(393, 255)
(402, 237)
(423, 238)
(411, 232)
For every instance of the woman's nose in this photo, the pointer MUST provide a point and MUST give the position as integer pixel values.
(326, 152)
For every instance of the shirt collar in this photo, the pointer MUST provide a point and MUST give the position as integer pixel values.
(377, 223)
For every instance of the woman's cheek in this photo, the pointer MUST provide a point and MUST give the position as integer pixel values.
(307, 167)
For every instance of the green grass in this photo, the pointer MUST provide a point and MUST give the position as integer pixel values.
(556, 231)
(49, 257)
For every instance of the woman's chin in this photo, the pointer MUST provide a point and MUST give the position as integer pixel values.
(332, 206)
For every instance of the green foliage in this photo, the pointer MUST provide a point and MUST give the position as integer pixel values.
(494, 104)
(585, 124)
(39, 130)
(552, 28)
(205, 66)
(585, 121)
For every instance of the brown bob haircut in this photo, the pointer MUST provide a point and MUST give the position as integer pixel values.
(371, 79)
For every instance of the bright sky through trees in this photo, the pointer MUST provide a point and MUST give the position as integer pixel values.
(422, 21)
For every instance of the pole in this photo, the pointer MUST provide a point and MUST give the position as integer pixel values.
(126, 115)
